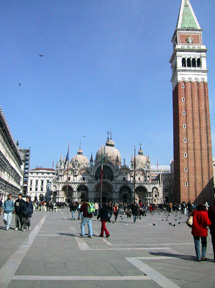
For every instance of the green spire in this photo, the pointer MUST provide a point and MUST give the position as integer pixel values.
(187, 18)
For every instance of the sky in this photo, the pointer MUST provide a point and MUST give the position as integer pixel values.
(105, 67)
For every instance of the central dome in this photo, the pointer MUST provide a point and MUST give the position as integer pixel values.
(140, 159)
(109, 152)
(79, 159)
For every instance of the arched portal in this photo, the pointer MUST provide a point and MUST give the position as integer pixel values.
(82, 192)
(125, 194)
(141, 195)
(68, 193)
(107, 192)
(107, 173)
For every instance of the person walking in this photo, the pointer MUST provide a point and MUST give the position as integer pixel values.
(135, 211)
(104, 215)
(199, 229)
(73, 208)
(26, 212)
(211, 215)
(96, 208)
(1, 205)
(18, 212)
(115, 211)
(86, 219)
(8, 208)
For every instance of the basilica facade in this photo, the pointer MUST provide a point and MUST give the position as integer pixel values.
(79, 178)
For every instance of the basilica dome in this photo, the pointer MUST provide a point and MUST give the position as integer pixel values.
(79, 159)
(140, 159)
(109, 152)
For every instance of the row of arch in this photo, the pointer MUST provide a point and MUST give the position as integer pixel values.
(191, 62)
(125, 193)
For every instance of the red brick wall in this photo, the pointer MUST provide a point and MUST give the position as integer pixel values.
(195, 140)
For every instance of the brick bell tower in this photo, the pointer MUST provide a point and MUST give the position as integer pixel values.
(193, 171)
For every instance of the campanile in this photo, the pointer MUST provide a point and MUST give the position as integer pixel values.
(193, 171)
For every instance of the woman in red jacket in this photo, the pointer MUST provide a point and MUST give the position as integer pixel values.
(199, 229)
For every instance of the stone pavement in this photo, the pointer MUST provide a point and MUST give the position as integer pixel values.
(150, 253)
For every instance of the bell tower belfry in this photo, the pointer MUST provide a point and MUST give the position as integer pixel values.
(193, 171)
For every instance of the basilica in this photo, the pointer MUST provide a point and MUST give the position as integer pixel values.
(79, 178)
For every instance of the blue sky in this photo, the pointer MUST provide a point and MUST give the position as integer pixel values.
(105, 68)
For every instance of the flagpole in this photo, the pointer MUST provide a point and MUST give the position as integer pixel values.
(67, 173)
(101, 174)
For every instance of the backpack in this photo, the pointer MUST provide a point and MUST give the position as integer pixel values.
(90, 208)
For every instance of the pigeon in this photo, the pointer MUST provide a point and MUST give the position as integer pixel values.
(170, 223)
(179, 222)
(19, 83)
(154, 224)
(173, 225)
(41, 55)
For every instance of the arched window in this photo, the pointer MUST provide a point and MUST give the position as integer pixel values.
(188, 62)
(198, 62)
(183, 62)
(193, 62)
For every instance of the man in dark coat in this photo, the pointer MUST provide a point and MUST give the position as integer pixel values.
(18, 212)
(27, 211)
(211, 215)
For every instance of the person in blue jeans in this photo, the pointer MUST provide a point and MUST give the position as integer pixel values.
(8, 208)
(87, 219)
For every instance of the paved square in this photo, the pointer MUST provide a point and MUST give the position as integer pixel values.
(156, 251)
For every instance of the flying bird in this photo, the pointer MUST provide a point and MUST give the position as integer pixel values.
(19, 83)
(41, 55)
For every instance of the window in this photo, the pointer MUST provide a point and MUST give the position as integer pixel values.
(184, 126)
(185, 169)
(183, 99)
(184, 112)
(183, 63)
(186, 184)
(185, 154)
(185, 140)
(183, 86)
(188, 62)
(198, 62)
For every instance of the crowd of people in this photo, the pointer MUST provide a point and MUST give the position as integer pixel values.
(23, 212)
(203, 217)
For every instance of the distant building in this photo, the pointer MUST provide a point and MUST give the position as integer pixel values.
(79, 178)
(10, 161)
(39, 183)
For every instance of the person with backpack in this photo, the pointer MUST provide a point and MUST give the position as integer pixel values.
(88, 210)
(105, 215)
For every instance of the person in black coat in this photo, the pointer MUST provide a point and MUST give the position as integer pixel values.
(211, 215)
(105, 215)
(18, 211)
(135, 211)
(27, 211)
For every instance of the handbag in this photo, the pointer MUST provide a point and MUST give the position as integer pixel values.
(189, 221)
